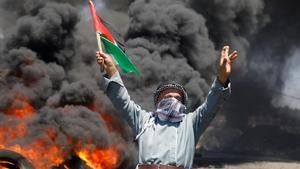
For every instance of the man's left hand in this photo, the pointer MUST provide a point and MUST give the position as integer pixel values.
(225, 65)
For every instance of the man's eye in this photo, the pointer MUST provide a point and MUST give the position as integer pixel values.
(178, 98)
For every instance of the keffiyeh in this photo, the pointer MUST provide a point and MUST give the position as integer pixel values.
(170, 109)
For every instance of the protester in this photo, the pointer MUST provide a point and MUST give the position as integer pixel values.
(167, 136)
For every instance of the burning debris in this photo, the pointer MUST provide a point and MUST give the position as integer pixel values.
(12, 160)
(51, 103)
(48, 141)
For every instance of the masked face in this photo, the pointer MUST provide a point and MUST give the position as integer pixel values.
(170, 109)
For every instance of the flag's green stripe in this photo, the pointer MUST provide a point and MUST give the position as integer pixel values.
(123, 61)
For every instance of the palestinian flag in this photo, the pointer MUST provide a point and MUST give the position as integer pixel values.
(109, 43)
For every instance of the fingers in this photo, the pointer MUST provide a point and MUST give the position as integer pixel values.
(225, 51)
(101, 55)
(101, 60)
(224, 54)
(225, 66)
(233, 55)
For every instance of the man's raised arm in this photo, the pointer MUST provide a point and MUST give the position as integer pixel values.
(117, 93)
(218, 94)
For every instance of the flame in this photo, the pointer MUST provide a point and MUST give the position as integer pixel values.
(20, 107)
(100, 158)
(3, 167)
(42, 152)
(10, 133)
(39, 154)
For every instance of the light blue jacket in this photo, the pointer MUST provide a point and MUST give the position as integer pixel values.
(165, 142)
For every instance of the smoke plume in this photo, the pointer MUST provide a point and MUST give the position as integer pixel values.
(48, 67)
(171, 40)
(165, 39)
(253, 117)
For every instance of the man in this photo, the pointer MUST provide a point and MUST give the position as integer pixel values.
(167, 136)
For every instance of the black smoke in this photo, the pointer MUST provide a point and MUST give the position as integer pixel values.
(255, 122)
(49, 61)
(167, 38)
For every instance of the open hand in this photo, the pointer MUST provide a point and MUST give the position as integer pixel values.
(225, 65)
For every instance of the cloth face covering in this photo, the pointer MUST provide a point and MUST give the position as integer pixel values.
(170, 109)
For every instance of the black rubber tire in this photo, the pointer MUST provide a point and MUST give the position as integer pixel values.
(17, 159)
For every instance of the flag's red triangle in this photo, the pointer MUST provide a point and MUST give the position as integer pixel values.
(98, 25)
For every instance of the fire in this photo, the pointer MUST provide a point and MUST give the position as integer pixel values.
(10, 133)
(20, 107)
(100, 158)
(42, 152)
(40, 155)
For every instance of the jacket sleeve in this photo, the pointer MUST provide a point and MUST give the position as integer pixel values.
(117, 93)
(205, 113)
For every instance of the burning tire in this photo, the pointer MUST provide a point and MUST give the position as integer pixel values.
(13, 160)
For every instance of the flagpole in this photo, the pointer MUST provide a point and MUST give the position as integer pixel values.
(106, 43)
(93, 12)
(99, 41)
(99, 47)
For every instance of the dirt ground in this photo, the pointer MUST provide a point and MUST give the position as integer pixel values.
(259, 165)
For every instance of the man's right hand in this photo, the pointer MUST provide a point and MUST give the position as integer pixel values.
(106, 63)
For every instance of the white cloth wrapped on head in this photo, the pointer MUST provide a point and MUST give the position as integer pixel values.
(170, 109)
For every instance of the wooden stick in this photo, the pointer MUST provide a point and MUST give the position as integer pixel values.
(100, 48)
(99, 41)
